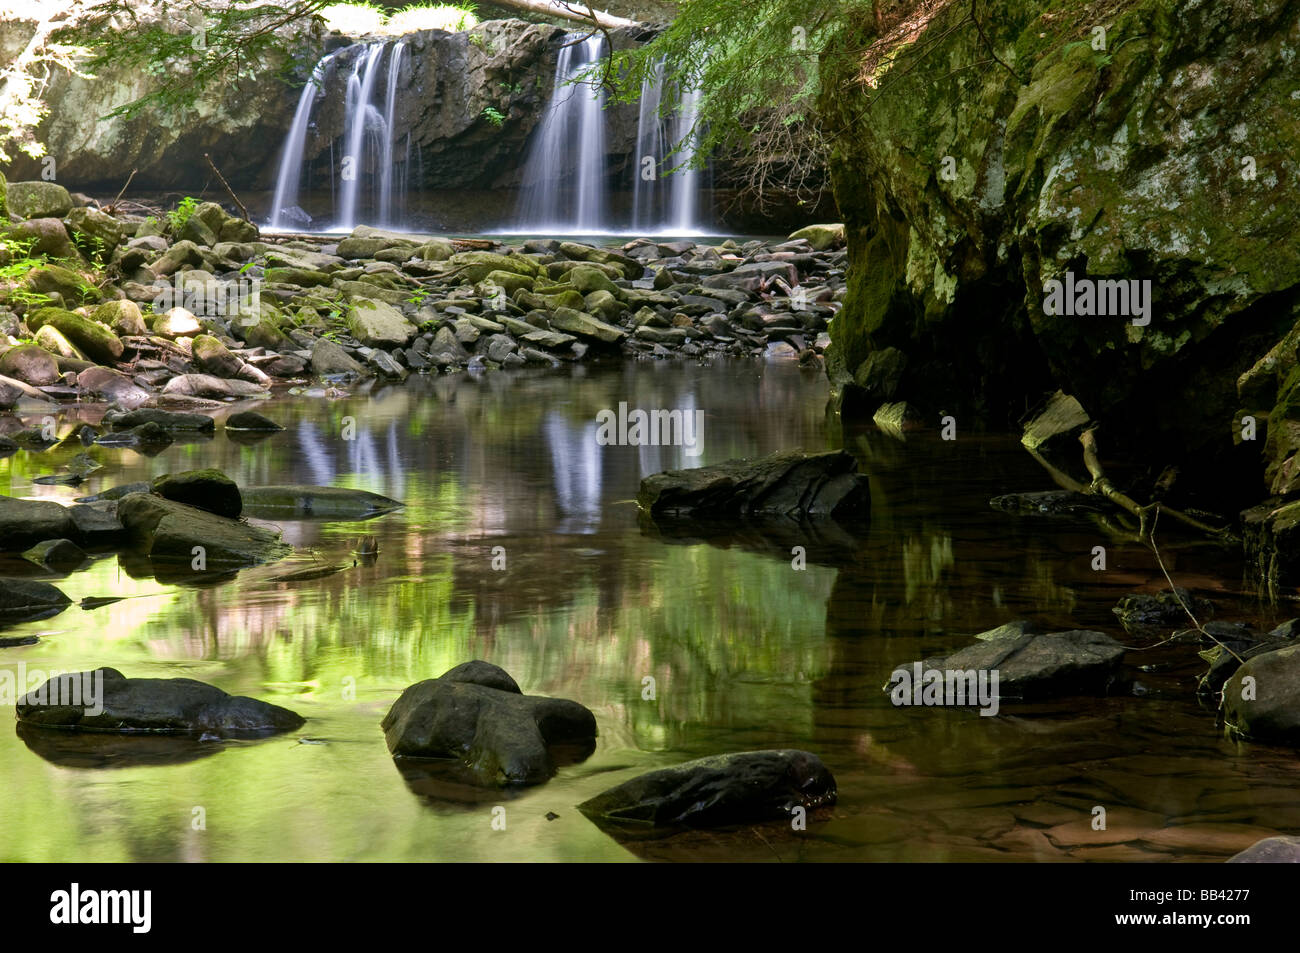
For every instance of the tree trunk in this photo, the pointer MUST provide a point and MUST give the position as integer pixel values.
(575, 10)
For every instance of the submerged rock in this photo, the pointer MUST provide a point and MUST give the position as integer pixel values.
(301, 501)
(60, 555)
(1032, 666)
(106, 700)
(251, 421)
(27, 600)
(167, 419)
(790, 483)
(1144, 614)
(476, 714)
(1270, 850)
(724, 789)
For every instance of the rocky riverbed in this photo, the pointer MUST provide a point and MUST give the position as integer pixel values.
(132, 311)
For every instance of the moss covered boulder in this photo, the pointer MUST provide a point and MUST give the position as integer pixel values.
(38, 200)
(91, 338)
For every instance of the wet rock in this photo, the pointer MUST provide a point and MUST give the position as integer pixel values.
(207, 489)
(27, 600)
(15, 393)
(1012, 630)
(1270, 850)
(1048, 665)
(1049, 503)
(476, 714)
(166, 419)
(328, 358)
(789, 483)
(252, 421)
(302, 501)
(585, 326)
(30, 363)
(213, 357)
(741, 788)
(117, 492)
(1230, 653)
(106, 700)
(60, 555)
(1146, 614)
(96, 525)
(1261, 700)
(168, 531)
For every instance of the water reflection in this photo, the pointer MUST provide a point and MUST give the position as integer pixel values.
(744, 650)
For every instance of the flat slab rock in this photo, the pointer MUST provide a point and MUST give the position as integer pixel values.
(740, 788)
(1038, 665)
(169, 531)
(477, 715)
(789, 483)
(181, 705)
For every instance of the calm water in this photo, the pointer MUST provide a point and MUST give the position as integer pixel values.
(746, 652)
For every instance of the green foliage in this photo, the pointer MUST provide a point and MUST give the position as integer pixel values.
(493, 115)
(178, 216)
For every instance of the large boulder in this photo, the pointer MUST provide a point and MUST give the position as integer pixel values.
(31, 363)
(24, 523)
(91, 338)
(1261, 700)
(378, 324)
(172, 532)
(106, 700)
(476, 715)
(583, 325)
(112, 386)
(47, 236)
(740, 788)
(39, 200)
(207, 489)
(789, 483)
(329, 359)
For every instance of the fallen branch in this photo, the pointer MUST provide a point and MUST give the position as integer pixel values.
(112, 206)
(222, 179)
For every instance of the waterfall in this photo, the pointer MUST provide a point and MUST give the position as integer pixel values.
(286, 184)
(667, 202)
(569, 139)
(386, 165)
(357, 110)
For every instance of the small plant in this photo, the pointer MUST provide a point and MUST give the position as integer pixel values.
(477, 40)
(493, 115)
(512, 88)
(178, 216)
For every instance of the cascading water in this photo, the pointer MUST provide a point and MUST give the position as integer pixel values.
(286, 183)
(569, 144)
(665, 193)
(367, 144)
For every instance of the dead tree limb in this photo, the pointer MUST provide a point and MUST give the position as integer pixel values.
(222, 179)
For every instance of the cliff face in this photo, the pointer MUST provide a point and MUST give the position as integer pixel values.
(1147, 140)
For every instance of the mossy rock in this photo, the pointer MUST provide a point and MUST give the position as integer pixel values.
(94, 340)
(38, 200)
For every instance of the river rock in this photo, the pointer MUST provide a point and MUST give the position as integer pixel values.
(1270, 850)
(94, 340)
(584, 325)
(206, 489)
(24, 523)
(1048, 665)
(27, 600)
(123, 317)
(379, 324)
(169, 531)
(30, 363)
(167, 419)
(205, 385)
(38, 199)
(1146, 614)
(109, 385)
(821, 237)
(476, 714)
(106, 700)
(740, 788)
(301, 501)
(213, 357)
(328, 358)
(789, 483)
(252, 421)
(1261, 700)
(60, 555)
